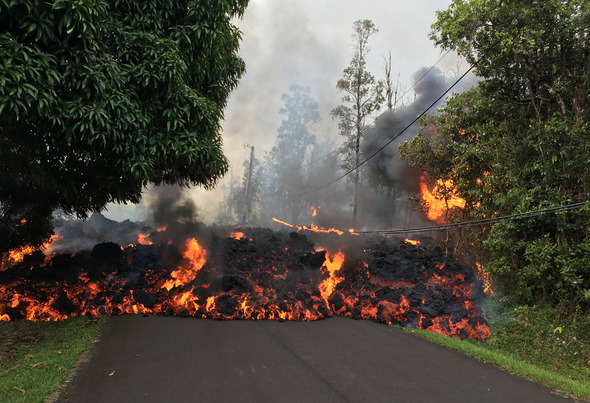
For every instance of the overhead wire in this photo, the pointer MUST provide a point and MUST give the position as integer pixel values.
(491, 220)
(424, 75)
(401, 97)
(388, 143)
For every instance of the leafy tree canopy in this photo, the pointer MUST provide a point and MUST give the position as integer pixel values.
(99, 98)
(519, 141)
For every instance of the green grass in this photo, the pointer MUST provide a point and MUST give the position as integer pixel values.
(37, 357)
(529, 342)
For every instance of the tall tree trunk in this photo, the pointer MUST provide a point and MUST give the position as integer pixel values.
(357, 170)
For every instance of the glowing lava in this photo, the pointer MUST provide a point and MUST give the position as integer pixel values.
(331, 266)
(196, 256)
(17, 255)
(264, 275)
(313, 228)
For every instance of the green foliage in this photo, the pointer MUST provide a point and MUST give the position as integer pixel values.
(519, 142)
(363, 95)
(535, 48)
(545, 338)
(100, 98)
(38, 357)
(538, 343)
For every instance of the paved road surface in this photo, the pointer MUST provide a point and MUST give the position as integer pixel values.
(170, 359)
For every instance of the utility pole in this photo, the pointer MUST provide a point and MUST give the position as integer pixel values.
(247, 201)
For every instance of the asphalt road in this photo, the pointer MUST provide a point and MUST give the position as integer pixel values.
(171, 359)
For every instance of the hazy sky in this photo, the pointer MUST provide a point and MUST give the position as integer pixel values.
(309, 43)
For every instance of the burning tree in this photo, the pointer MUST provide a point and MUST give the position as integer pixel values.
(519, 141)
(99, 99)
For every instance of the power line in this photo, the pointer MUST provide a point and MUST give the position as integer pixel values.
(424, 75)
(390, 141)
(401, 97)
(474, 223)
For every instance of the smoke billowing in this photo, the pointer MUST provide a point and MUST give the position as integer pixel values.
(165, 206)
(391, 178)
(308, 43)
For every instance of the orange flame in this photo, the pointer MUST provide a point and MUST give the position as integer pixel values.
(313, 210)
(142, 239)
(17, 255)
(210, 304)
(485, 276)
(412, 242)
(331, 265)
(314, 228)
(237, 235)
(438, 207)
(196, 256)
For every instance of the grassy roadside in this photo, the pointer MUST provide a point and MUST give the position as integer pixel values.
(37, 357)
(535, 343)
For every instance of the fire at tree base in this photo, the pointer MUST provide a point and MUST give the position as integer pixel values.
(252, 274)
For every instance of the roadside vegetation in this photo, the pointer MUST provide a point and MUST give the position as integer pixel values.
(514, 144)
(36, 358)
(535, 342)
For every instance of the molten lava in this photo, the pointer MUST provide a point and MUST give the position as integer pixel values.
(17, 255)
(195, 254)
(313, 210)
(331, 265)
(237, 235)
(142, 239)
(263, 275)
(313, 228)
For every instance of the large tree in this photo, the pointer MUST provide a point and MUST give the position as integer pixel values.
(100, 98)
(295, 139)
(362, 97)
(519, 141)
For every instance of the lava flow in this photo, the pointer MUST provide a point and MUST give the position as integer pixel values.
(252, 274)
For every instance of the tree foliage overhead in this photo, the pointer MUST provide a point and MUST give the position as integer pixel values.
(537, 50)
(519, 140)
(100, 98)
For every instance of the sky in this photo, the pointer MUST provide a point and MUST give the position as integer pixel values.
(309, 43)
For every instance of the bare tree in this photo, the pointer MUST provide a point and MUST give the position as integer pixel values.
(392, 91)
